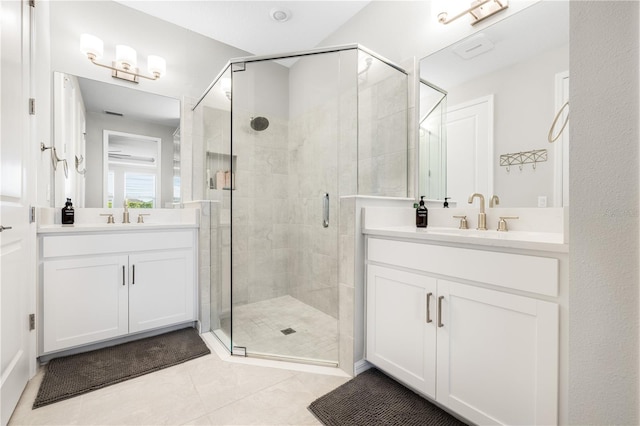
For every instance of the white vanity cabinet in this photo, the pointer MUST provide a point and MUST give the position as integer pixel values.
(162, 289)
(84, 300)
(102, 286)
(401, 332)
(489, 355)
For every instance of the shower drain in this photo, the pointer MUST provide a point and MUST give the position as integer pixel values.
(287, 331)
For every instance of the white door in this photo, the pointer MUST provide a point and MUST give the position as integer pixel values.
(497, 356)
(15, 267)
(161, 289)
(84, 301)
(401, 326)
(470, 149)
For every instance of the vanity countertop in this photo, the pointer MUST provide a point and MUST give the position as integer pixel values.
(94, 220)
(116, 227)
(540, 241)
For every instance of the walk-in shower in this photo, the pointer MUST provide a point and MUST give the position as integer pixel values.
(285, 138)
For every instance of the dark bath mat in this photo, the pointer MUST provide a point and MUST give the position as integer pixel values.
(372, 398)
(74, 375)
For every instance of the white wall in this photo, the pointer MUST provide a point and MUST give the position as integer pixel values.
(399, 30)
(192, 59)
(603, 186)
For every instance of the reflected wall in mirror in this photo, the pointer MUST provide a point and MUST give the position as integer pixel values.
(504, 86)
(432, 147)
(105, 130)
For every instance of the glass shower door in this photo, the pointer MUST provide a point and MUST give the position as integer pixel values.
(286, 125)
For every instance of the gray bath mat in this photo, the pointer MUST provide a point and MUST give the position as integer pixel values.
(372, 398)
(74, 375)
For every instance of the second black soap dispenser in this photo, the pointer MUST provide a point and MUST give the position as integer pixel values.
(421, 214)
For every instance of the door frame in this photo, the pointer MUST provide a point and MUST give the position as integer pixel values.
(561, 145)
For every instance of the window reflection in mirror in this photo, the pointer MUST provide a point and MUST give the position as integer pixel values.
(133, 174)
(115, 109)
(522, 67)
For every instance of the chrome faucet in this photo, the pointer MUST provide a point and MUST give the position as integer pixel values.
(482, 217)
(125, 214)
(494, 201)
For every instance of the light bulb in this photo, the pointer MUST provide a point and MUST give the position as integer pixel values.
(91, 46)
(157, 66)
(126, 57)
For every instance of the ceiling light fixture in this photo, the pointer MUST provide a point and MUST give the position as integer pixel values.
(125, 65)
(479, 10)
(280, 15)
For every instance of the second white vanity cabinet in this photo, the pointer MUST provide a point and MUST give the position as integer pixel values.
(102, 286)
(489, 355)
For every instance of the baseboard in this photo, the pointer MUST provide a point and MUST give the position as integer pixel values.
(45, 358)
(361, 366)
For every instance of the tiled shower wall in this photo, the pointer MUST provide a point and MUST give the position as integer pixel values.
(313, 272)
(382, 132)
(261, 213)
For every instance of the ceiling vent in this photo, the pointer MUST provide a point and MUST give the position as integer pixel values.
(473, 46)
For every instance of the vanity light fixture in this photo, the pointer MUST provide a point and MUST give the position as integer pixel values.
(479, 10)
(125, 65)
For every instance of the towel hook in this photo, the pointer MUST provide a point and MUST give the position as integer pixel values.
(55, 159)
(550, 137)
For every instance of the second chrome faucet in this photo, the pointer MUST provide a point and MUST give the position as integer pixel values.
(482, 216)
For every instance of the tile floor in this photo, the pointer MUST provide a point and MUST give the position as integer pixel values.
(257, 326)
(211, 390)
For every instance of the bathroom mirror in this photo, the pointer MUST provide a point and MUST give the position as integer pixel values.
(87, 115)
(504, 86)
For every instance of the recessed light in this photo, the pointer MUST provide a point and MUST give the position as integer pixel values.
(280, 15)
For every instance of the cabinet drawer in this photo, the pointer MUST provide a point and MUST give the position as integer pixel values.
(527, 273)
(77, 245)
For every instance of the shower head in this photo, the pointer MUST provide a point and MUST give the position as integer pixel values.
(259, 123)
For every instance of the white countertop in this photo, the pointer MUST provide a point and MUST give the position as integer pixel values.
(111, 227)
(542, 241)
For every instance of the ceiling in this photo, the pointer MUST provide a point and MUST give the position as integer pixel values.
(248, 25)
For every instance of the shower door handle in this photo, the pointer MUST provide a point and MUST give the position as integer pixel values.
(325, 210)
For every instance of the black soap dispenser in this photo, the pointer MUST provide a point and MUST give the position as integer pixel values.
(67, 213)
(421, 214)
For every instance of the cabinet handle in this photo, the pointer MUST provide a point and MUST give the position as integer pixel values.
(428, 307)
(133, 279)
(440, 324)
(122, 274)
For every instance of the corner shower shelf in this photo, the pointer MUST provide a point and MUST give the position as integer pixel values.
(524, 157)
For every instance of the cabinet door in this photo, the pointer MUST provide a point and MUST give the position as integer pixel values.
(84, 301)
(497, 356)
(401, 331)
(161, 289)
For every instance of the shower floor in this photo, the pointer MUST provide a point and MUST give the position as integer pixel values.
(258, 327)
